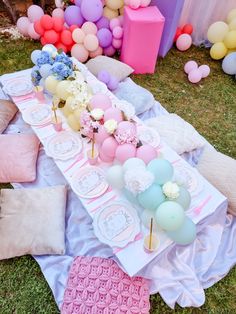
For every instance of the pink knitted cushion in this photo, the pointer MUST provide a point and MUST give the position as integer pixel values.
(98, 286)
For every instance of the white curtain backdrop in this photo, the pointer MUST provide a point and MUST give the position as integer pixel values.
(202, 13)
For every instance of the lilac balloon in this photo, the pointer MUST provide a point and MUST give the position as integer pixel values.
(104, 76)
(104, 37)
(91, 10)
(23, 24)
(73, 16)
(78, 3)
(113, 83)
(103, 22)
(34, 13)
(109, 51)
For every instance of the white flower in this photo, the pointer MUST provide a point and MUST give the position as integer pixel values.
(127, 108)
(97, 113)
(110, 126)
(138, 180)
(171, 190)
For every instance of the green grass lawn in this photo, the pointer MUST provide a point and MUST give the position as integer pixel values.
(210, 107)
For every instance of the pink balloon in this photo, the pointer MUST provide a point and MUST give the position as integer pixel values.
(113, 113)
(195, 76)
(124, 152)
(109, 146)
(146, 153)
(145, 3)
(97, 52)
(34, 13)
(101, 135)
(121, 20)
(184, 42)
(100, 101)
(89, 28)
(58, 13)
(205, 70)
(104, 157)
(80, 52)
(91, 42)
(114, 23)
(109, 51)
(78, 35)
(117, 32)
(116, 43)
(189, 66)
(31, 32)
(23, 24)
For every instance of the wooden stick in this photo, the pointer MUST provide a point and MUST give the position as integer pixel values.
(93, 146)
(150, 236)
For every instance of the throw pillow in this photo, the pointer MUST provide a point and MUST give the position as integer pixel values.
(7, 111)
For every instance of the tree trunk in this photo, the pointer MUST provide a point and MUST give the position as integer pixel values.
(11, 10)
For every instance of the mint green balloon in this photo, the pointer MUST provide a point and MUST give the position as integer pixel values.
(186, 234)
(152, 197)
(170, 215)
(130, 197)
(184, 198)
(162, 170)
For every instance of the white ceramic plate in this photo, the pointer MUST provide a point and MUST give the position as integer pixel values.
(117, 224)
(37, 115)
(89, 182)
(18, 87)
(63, 145)
(148, 136)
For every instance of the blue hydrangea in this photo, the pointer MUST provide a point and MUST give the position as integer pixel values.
(45, 58)
(62, 57)
(35, 76)
(61, 70)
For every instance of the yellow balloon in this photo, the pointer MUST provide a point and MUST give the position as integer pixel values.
(231, 15)
(230, 51)
(51, 84)
(232, 25)
(73, 122)
(230, 40)
(218, 51)
(114, 4)
(217, 31)
(61, 90)
(110, 14)
(67, 109)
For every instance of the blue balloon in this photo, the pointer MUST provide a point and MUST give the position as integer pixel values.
(170, 216)
(35, 55)
(45, 70)
(162, 170)
(184, 198)
(229, 64)
(130, 197)
(186, 234)
(152, 197)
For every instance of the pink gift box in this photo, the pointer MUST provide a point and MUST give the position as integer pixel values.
(142, 35)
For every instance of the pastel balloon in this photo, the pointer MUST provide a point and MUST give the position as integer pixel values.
(100, 101)
(195, 76)
(51, 84)
(78, 35)
(73, 15)
(152, 197)
(23, 24)
(146, 153)
(104, 76)
(205, 70)
(58, 24)
(38, 28)
(113, 83)
(114, 177)
(104, 37)
(35, 55)
(114, 23)
(218, 51)
(229, 64)
(146, 217)
(89, 28)
(186, 234)
(51, 49)
(46, 22)
(113, 113)
(133, 4)
(34, 13)
(101, 135)
(162, 170)
(66, 37)
(124, 152)
(114, 4)
(110, 14)
(187, 29)
(109, 146)
(230, 39)
(134, 163)
(217, 31)
(231, 15)
(103, 22)
(184, 198)
(78, 2)
(61, 46)
(105, 158)
(97, 52)
(51, 37)
(121, 19)
(184, 42)
(58, 12)
(80, 52)
(109, 51)
(232, 25)
(116, 43)
(189, 66)
(117, 32)
(130, 197)
(31, 32)
(91, 42)
(45, 70)
(170, 216)
(91, 10)
(61, 90)
(73, 122)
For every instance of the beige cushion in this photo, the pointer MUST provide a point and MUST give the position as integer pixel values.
(7, 111)
(177, 133)
(32, 221)
(220, 171)
(116, 68)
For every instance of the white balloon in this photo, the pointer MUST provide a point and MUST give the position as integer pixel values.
(45, 70)
(115, 177)
(50, 48)
(229, 64)
(134, 163)
(35, 55)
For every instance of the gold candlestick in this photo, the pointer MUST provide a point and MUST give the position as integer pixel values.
(150, 237)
